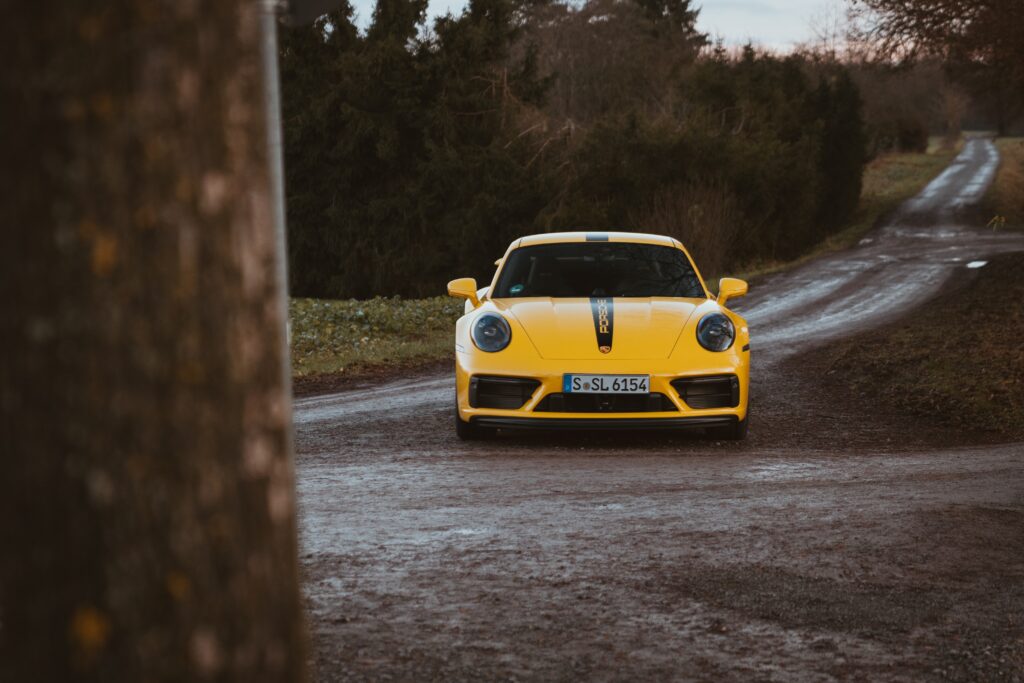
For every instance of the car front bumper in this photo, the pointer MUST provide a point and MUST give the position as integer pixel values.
(549, 375)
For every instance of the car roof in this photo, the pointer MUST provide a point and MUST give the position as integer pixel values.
(595, 236)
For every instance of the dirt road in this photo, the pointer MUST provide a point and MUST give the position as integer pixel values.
(835, 543)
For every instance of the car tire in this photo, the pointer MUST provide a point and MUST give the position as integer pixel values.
(467, 431)
(737, 431)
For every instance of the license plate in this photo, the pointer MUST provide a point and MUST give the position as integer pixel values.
(606, 384)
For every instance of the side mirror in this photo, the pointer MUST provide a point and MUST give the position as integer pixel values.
(464, 288)
(729, 288)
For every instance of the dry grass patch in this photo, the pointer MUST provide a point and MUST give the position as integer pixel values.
(1005, 199)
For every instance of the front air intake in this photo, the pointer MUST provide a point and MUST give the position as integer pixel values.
(507, 393)
(713, 391)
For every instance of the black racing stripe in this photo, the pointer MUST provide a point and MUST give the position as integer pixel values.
(746, 347)
(597, 237)
(603, 309)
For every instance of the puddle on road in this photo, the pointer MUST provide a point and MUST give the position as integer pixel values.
(462, 532)
(782, 471)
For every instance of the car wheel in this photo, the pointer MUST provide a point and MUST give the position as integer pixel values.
(467, 431)
(737, 431)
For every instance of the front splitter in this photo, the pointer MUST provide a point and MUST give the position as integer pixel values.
(557, 423)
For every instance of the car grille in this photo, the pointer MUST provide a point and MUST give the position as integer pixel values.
(509, 393)
(715, 391)
(605, 403)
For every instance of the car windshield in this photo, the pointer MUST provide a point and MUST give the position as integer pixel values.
(589, 269)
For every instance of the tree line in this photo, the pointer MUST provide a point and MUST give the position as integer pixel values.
(980, 45)
(416, 152)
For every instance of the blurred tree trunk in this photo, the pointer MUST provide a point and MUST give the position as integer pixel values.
(146, 494)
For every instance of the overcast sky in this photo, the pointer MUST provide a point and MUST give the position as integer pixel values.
(777, 24)
(774, 24)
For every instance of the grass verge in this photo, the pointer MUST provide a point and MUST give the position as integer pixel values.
(361, 337)
(956, 363)
(1005, 199)
(355, 339)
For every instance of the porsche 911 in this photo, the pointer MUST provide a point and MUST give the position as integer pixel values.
(584, 330)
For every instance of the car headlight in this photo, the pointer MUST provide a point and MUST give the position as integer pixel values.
(491, 333)
(715, 332)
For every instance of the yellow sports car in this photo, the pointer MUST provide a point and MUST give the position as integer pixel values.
(585, 330)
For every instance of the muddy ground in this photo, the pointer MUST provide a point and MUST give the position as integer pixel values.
(839, 542)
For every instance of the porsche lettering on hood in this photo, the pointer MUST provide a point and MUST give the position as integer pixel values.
(603, 312)
(562, 329)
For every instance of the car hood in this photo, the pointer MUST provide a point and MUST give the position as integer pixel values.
(577, 329)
